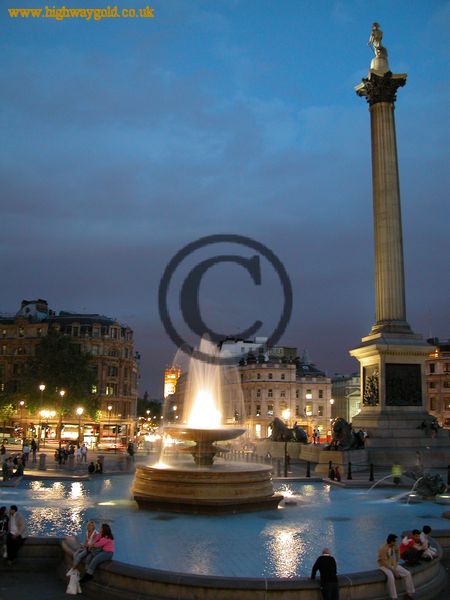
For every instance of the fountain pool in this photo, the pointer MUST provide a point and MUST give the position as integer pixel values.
(275, 543)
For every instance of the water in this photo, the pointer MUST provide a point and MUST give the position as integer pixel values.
(277, 543)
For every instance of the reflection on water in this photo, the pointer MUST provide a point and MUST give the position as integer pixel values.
(76, 490)
(285, 549)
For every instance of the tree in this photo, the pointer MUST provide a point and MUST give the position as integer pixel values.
(60, 364)
(154, 406)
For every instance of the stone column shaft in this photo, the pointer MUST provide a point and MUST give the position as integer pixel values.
(380, 90)
(389, 272)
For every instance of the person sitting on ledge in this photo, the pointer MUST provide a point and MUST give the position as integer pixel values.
(19, 470)
(92, 536)
(101, 551)
(388, 557)
(429, 552)
(412, 549)
(91, 467)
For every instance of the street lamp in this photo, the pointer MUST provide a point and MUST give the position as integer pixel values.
(286, 413)
(79, 412)
(109, 407)
(62, 393)
(42, 390)
(21, 403)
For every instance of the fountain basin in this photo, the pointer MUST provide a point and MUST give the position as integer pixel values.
(442, 498)
(221, 489)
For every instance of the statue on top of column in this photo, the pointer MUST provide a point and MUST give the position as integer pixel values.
(375, 40)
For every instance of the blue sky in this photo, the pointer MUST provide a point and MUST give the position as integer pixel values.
(124, 140)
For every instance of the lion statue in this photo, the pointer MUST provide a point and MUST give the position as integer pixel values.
(343, 437)
(282, 433)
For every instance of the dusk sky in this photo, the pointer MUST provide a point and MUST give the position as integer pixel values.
(124, 140)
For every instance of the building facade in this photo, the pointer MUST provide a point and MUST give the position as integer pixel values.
(437, 368)
(346, 394)
(113, 361)
(275, 382)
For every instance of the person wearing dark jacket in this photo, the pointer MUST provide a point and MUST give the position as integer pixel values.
(326, 565)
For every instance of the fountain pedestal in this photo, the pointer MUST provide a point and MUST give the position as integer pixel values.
(223, 488)
(204, 487)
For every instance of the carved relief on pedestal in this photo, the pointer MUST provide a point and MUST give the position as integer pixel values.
(371, 396)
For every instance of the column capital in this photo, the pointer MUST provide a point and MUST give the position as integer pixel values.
(381, 87)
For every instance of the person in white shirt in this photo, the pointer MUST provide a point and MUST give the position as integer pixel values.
(91, 537)
(429, 552)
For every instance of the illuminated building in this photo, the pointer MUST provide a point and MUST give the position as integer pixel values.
(437, 367)
(110, 344)
(171, 376)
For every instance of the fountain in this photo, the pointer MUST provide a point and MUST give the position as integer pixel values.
(205, 485)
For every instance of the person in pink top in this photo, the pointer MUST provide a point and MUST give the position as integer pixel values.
(101, 551)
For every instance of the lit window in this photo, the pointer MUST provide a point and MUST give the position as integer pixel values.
(270, 410)
(258, 410)
(258, 430)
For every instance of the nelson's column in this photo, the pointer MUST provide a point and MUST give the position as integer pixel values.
(392, 357)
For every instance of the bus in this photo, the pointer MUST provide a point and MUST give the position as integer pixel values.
(9, 435)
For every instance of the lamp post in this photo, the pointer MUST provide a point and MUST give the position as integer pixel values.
(62, 393)
(286, 414)
(117, 431)
(79, 411)
(42, 415)
(42, 390)
(109, 407)
(21, 403)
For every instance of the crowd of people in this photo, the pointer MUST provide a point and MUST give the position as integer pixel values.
(414, 548)
(13, 466)
(78, 452)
